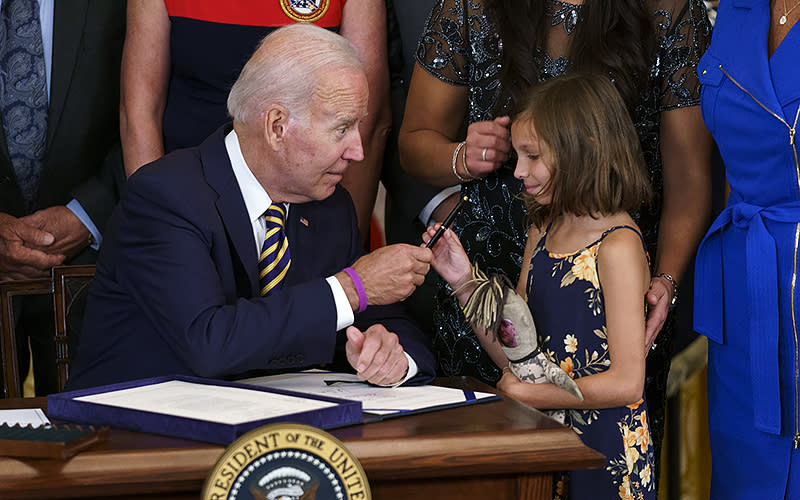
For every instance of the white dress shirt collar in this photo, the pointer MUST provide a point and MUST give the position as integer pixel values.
(256, 199)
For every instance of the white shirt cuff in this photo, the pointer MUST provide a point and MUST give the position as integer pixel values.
(427, 210)
(344, 313)
(412, 370)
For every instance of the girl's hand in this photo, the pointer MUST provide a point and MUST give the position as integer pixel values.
(449, 258)
(488, 144)
(509, 382)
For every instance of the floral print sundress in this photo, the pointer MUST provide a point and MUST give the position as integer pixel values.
(566, 302)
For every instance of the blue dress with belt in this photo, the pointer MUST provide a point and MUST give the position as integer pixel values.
(750, 103)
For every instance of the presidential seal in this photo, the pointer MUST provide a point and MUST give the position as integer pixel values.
(305, 11)
(287, 462)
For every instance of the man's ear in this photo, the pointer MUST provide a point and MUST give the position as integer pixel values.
(276, 122)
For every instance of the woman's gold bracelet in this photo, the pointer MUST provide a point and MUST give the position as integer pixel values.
(464, 161)
(459, 146)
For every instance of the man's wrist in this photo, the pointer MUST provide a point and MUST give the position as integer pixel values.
(411, 372)
(349, 288)
(359, 287)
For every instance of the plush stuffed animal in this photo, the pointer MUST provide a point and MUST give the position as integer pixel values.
(496, 307)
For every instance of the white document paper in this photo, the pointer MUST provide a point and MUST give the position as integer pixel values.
(34, 417)
(375, 400)
(213, 403)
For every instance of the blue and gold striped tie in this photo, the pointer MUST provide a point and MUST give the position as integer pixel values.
(274, 261)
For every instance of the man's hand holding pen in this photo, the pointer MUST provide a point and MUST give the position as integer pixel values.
(392, 273)
(388, 274)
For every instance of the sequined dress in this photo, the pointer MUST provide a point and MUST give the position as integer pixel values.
(461, 46)
(564, 296)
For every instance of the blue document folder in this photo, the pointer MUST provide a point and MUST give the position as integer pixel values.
(214, 411)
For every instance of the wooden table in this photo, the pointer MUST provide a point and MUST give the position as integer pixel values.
(499, 450)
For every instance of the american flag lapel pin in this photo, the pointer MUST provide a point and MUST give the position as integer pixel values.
(304, 221)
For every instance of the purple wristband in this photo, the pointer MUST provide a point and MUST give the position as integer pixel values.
(362, 294)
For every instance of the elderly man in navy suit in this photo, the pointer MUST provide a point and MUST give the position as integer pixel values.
(244, 254)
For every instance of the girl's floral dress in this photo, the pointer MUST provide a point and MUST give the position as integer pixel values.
(566, 302)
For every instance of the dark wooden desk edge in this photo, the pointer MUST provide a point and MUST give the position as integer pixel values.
(186, 463)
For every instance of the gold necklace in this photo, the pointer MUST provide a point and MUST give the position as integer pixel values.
(783, 19)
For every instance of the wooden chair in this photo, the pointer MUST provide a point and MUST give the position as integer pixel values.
(70, 289)
(68, 286)
(12, 380)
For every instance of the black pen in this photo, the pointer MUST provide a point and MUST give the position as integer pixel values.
(447, 222)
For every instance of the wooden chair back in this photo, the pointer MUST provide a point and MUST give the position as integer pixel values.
(70, 289)
(68, 286)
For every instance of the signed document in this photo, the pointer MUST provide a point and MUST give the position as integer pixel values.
(382, 401)
(213, 403)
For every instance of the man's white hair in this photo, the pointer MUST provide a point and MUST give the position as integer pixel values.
(286, 69)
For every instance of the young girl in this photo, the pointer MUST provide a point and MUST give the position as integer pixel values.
(585, 275)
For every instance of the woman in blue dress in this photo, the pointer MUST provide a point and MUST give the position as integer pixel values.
(750, 101)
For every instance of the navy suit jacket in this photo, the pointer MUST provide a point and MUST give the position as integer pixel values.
(176, 288)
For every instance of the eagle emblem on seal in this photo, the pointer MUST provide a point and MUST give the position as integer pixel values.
(305, 11)
(285, 483)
